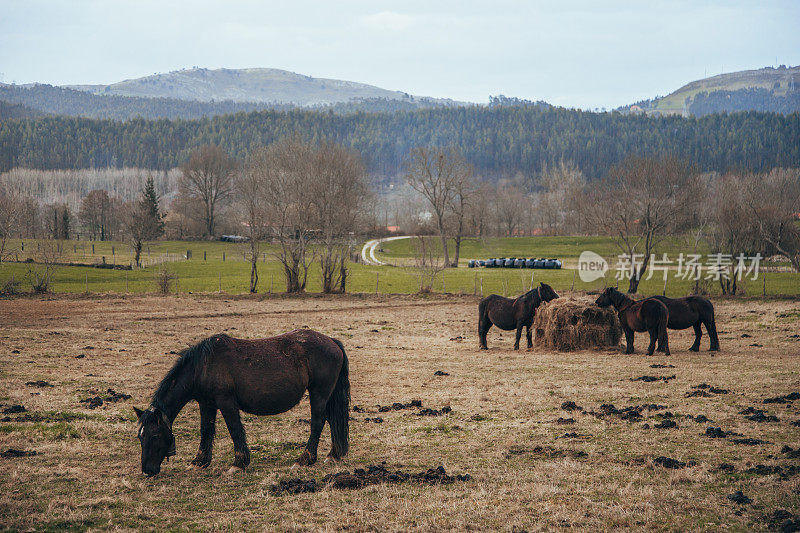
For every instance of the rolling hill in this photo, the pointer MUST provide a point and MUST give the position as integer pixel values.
(247, 85)
(766, 89)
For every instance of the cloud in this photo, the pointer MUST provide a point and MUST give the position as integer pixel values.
(387, 21)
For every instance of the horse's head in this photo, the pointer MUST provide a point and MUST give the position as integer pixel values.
(606, 298)
(156, 438)
(546, 292)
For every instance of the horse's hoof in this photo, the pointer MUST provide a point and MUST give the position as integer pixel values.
(305, 459)
(693, 349)
(332, 459)
(234, 470)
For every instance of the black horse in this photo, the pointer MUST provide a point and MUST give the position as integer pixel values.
(688, 312)
(508, 313)
(645, 315)
(260, 376)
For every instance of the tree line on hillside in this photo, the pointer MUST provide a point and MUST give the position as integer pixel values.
(498, 141)
(47, 99)
(756, 99)
(40, 99)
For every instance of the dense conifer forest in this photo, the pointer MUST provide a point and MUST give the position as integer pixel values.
(499, 140)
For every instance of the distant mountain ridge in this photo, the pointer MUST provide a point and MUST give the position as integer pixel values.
(265, 85)
(766, 89)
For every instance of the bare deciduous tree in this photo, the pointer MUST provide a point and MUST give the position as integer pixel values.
(638, 203)
(436, 174)
(464, 192)
(557, 201)
(286, 169)
(339, 193)
(95, 213)
(208, 176)
(251, 197)
(510, 207)
(773, 200)
(427, 262)
(142, 222)
(10, 211)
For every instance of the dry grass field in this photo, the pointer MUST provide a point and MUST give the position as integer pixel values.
(533, 465)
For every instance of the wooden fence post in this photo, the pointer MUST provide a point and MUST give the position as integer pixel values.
(664, 292)
(764, 286)
(86, 280)
(126, 282)
(377, 280)
(481, 286)
(573, 280)
(475, 284)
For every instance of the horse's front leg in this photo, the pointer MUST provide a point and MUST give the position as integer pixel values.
(698, 334)
(519, 334)
(529, 337)
(208, 422)
(241, 453)
(309, 455)
(628, 339)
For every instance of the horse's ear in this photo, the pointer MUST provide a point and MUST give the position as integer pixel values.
(164, 418)
(138, 412)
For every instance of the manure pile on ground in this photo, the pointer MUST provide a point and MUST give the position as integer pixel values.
(567, 324)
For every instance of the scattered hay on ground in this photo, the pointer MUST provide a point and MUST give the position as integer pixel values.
(576, 324)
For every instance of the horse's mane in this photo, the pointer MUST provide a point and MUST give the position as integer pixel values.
(189, 357)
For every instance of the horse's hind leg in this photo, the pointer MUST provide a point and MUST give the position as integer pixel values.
(529, 337)
(318, 402)
(208, 420)
(241, 453)
(698, 334)
(711, 327)
(653, 338)
(483, 328)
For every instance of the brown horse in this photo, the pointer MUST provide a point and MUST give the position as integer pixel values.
(261, 377)
(692, 311)
(645, 315)
(508, 313)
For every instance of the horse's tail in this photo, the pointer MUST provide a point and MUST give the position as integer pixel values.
(337, 411)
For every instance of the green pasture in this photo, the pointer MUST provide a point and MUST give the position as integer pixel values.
(565, 248)
(232, 276)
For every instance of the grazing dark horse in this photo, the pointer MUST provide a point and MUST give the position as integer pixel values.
(261, 377)
(692, 311)
(508, 313)
(645, 315)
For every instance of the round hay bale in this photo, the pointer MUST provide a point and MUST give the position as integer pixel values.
(568, 324)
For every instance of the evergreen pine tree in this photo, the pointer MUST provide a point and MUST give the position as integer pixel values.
(149, 203)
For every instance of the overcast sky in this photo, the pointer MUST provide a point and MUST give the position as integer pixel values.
(576, 54)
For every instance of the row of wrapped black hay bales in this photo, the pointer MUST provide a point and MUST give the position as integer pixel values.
(515, 262)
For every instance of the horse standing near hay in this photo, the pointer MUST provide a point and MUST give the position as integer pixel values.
(691, 311)
(508, 313)
(645, 315)
(261, 377)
